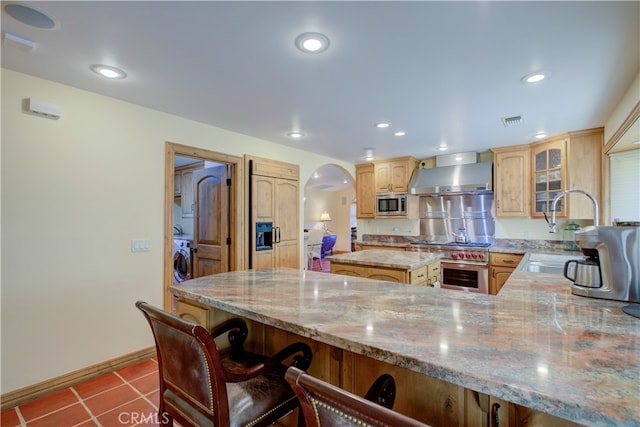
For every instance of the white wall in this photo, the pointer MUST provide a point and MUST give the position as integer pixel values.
(75, 191)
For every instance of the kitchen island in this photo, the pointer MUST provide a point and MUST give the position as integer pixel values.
(535, 350)
(393, 266)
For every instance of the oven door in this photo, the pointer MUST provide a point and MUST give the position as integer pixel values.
(467, 277)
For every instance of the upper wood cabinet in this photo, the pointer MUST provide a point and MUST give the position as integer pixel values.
(512, 181)
(567, 162)
(365, 191)
(528, 177)
(393, 175)
(183, 177)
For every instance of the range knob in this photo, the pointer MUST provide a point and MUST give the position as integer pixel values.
(480, 256)
(461, 255)
(468, 255)
(454, 255)
(474, 256)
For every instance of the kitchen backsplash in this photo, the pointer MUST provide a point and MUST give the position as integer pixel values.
(522, 229)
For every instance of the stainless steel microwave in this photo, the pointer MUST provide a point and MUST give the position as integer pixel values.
(391, 204)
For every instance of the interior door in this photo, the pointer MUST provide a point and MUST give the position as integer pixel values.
(211, 216)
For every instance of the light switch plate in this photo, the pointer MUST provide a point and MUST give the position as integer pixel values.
(140, 245)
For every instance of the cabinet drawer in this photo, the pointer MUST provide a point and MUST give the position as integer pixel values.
(504, 259)
(194, 313)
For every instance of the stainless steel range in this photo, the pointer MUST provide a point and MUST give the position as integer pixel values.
(464, 266)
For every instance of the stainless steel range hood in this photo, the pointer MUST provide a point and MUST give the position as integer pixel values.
(473, 178)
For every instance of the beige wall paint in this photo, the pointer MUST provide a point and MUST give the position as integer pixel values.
(75, 191)
(622, 110)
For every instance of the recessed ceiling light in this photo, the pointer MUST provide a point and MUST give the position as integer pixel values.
(31, 16)
(443, 147)
(536, 77)
(636, 142)
(399, 133)
(540, 135)
(295, 135)
(312, 42)
(383, 125)
(108, 71)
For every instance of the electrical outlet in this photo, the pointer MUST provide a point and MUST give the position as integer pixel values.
(140, 245)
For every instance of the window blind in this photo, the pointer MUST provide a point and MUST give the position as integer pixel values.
(625, 185)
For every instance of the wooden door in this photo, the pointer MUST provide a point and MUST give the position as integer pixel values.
(211, 228)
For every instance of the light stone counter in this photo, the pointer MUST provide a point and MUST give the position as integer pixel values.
(534, 344)
(384, 258)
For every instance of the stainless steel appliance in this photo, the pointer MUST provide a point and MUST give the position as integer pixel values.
(391, 204)
(463, 267)
(612, 267)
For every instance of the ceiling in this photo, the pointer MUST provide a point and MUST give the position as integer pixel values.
(444, 72)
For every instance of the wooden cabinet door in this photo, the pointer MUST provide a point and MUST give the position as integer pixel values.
(365, 191)
(498, 276)
(286, 223)
(400, 176)
(187, 194)
(383, 177)
(548, 161)
(512, 183)
(584, 157)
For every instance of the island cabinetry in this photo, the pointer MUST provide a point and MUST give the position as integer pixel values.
(512, 181)
(380, 273)
(365, 191)
(393, 175)
(274, 192)
(501, 265)
(364, 247)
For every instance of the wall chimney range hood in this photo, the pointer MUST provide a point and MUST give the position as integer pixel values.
(471, 178)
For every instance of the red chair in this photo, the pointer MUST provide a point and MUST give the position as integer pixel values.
(325, 405)
(200, 386)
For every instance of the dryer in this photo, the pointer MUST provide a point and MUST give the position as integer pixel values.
(181, 260)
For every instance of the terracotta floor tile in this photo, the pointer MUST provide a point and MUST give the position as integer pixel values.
(154, 397)
(48, 404)
(70, 416)
(146, 384)
(98, 385)
(110, 399)
(137, 412)
(139, 369)
(9, 418)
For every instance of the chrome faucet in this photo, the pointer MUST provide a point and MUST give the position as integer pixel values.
(552, 224)
(179, 229)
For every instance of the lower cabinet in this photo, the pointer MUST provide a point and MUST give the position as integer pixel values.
(501, 265)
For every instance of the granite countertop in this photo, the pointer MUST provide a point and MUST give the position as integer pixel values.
(383, 258)
(534, 344)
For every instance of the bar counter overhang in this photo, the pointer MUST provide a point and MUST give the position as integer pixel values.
(534, 344)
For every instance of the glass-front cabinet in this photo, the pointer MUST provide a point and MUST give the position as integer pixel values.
(549, 176)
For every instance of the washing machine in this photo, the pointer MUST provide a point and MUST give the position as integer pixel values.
(181, 260)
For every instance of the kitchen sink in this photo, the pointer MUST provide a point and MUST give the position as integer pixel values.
(545, 263)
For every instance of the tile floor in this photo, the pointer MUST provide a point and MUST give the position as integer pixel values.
(126, 397)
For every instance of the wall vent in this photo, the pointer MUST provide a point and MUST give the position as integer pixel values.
(512, 121)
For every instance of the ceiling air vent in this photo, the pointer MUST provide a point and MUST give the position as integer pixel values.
(512, 121)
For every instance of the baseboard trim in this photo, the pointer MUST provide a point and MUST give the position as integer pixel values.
(35, 391)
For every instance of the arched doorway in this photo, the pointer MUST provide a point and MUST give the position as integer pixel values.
(330, 193)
